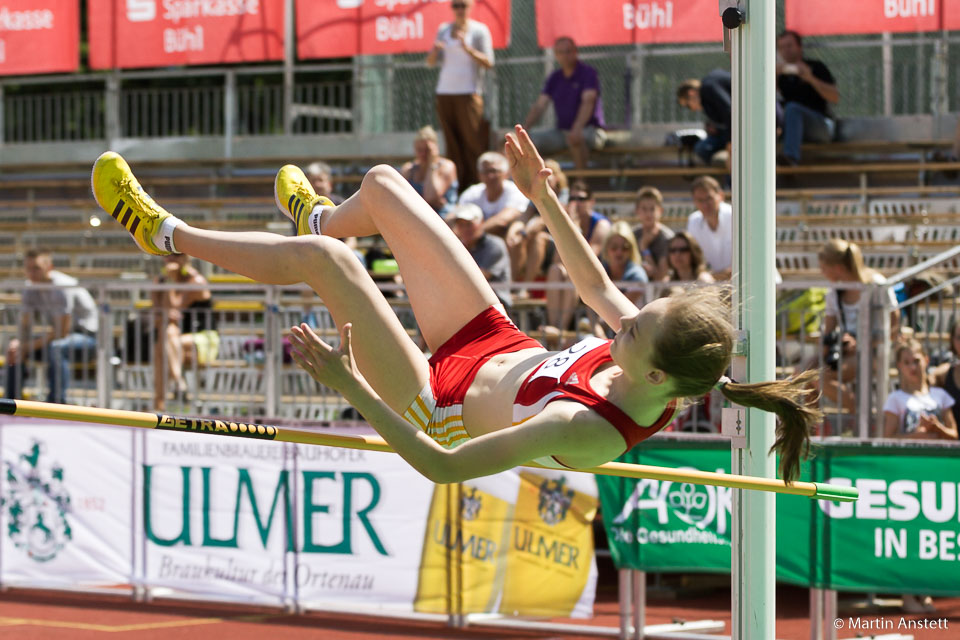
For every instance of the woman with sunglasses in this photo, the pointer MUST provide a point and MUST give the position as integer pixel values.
(490, 398)
(685, 259)
(464, 49)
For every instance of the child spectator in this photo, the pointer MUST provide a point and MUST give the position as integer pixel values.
(916, 410)
(652, 235)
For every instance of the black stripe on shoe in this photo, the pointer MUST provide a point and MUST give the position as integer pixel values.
(290, 203)
(136, 223)
(117, 209)
(126, 216)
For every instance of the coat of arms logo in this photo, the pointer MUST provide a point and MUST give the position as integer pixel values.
(555, 500)
(470, 504)
(36, 504)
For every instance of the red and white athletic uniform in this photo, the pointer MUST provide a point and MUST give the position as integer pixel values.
(438, 410)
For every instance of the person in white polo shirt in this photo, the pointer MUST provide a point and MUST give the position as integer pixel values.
(496, 195)
(712, 226)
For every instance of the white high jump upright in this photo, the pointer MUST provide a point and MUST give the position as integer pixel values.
(753, 548)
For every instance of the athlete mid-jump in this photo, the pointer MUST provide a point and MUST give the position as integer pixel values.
(490, 398)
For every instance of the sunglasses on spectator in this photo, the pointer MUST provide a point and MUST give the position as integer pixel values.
(579, 198)
(458, 5)
(679, 249)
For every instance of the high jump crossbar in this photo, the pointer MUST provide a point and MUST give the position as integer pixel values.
(167, 422)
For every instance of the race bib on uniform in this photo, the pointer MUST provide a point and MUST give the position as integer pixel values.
(555, 367)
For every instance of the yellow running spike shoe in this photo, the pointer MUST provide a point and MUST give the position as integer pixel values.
(296, 198)
(118, 193)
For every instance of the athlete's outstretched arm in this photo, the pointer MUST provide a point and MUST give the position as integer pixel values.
(553, 432)
(530, 174)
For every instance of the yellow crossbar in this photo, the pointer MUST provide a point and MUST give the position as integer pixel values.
(166, 422)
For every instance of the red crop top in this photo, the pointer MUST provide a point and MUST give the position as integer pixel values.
(566, 376)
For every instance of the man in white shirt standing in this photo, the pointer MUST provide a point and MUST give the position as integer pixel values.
(498, 198)
(464, 49)
(711, 225)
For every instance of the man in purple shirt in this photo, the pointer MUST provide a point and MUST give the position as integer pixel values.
(574, 89)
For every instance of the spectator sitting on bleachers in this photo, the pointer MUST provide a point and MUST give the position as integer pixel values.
(711, 225)
(320, 176)
(685, 259)
(488, 251)
(574, 89)
(186, 328)
(916, 410)
(431, 175)
(595, 227)
(528, 241)
(621, 257)
(498, 198)
(808, 89)
(71, 336)
(711, 95)
(841, 261)
(652, 236)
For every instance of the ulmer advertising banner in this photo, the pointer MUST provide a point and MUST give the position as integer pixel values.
(66, 502)
(523, 541)
(832, 17)
(39, 36)
(902, 535)
(158, 33)
(261, 521)
(342, 28)
(627, 21)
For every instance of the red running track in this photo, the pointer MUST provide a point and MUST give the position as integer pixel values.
(35, 615)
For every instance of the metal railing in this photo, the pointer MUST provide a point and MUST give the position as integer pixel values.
(877, 76)
(252, 375)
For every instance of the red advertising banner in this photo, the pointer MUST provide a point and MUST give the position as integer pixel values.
(39, 36)
(834, 17)
(343, 28)
(159, 33)
(951, 15)
(598, 22)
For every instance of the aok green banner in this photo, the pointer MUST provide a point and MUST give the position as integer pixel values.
(902, 535)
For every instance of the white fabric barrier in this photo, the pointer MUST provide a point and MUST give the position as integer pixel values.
(277, 523)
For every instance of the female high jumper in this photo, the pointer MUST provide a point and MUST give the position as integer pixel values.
(490, 398)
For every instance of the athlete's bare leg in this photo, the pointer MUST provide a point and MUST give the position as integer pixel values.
(385, 354)
(444, 284)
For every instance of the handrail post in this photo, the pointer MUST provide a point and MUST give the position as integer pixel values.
(867, 344)
(288, 60)
(883, 358)
(112, 108)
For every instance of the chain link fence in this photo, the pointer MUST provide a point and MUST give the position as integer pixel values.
(878, 75)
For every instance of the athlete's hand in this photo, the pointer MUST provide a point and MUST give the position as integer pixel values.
(334, 368)
(527, 168)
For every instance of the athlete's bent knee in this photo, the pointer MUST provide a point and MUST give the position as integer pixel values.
(380, 176)
(331, 253)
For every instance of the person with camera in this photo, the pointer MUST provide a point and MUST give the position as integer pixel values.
(842, 262)
(808, 90)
